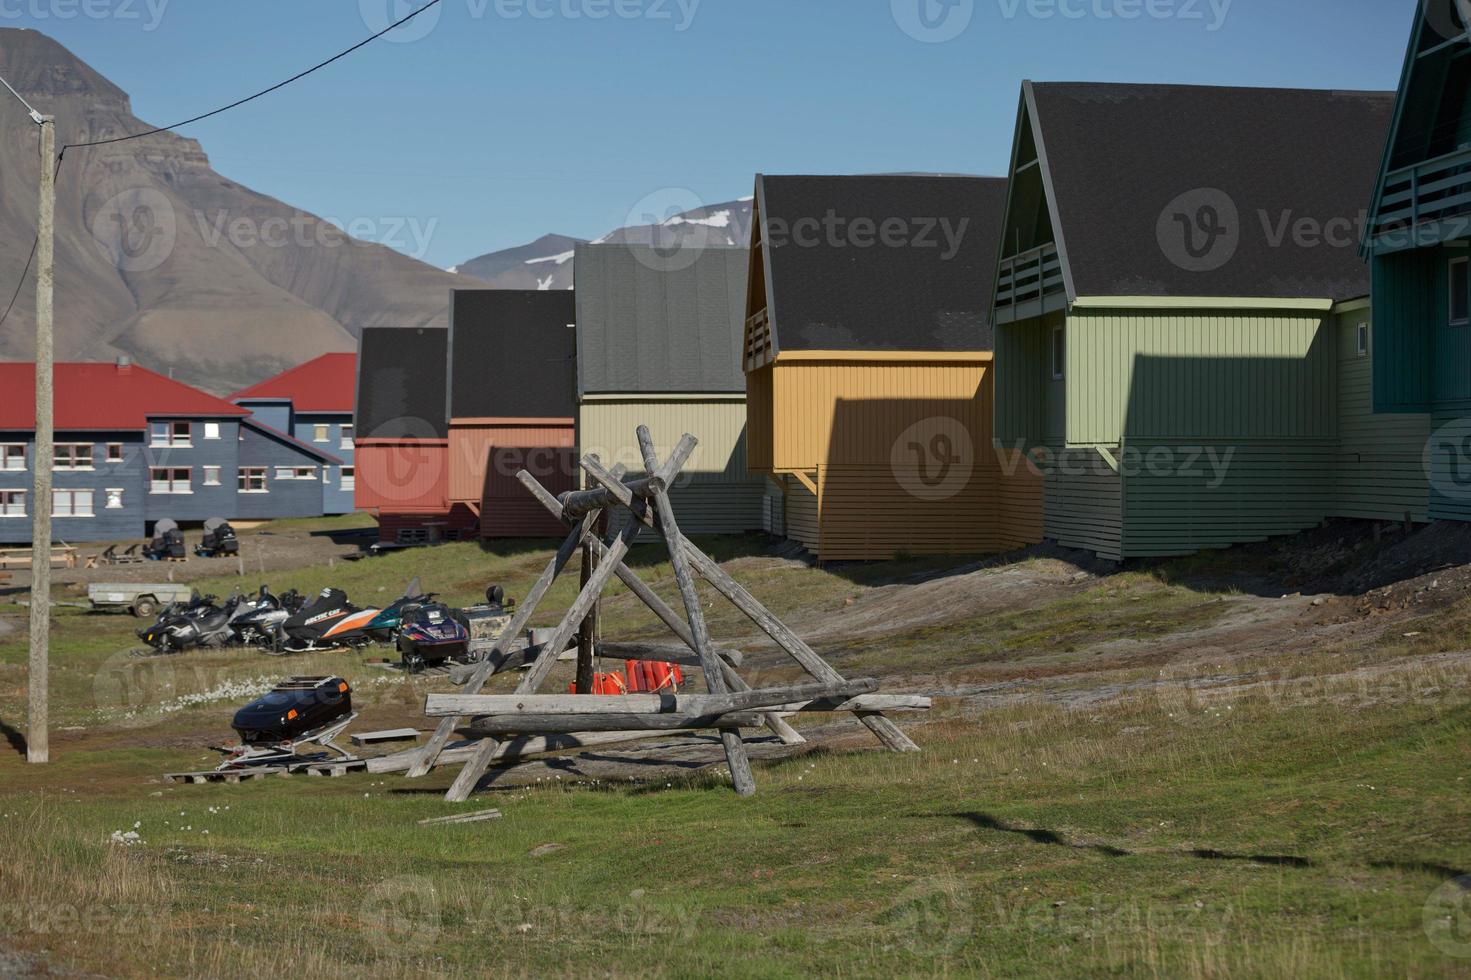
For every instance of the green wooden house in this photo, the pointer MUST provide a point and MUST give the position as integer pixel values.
(1182, 329)
(1418, 242)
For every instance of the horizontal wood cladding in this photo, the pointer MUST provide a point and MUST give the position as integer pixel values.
(402, 477)
(801, 516)
(507, 508)
(1214, 374)
(1083, 504)
(712, 508)
(837, 413)
(471, 443)
(607, 428)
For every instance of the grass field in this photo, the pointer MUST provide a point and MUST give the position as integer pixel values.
(1069, 814)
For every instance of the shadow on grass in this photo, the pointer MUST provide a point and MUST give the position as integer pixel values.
(1427, 867)
(987, 822)
(14, 738)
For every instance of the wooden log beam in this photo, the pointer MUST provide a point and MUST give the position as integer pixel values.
(856, 705)
(577, 503)
(449, 705)
(515, 748)
(741, 775)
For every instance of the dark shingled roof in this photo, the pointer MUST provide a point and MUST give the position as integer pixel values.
(513, 354)
(833, 292)
(651, 322)
(401, 375)
(1122, 156)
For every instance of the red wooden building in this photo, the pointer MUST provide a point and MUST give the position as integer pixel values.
(512, 399)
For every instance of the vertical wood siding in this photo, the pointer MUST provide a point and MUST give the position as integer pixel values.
(1408, 306)
(607, 429)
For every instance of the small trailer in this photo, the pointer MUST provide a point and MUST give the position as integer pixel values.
(142, 601)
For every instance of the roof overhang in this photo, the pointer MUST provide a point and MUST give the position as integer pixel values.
(1201, 303)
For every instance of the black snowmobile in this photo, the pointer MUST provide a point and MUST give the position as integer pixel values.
(201, 622)
(298, 711)
(259, 625)
(168, 542)
(430, 632)
(219, 541)
(327, 622)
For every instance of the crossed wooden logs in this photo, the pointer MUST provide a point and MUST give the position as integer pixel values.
(729, 704)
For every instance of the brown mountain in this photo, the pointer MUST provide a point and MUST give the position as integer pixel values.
(160, 257)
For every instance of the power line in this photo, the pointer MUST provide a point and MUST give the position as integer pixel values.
(161, 129)
(251, 98)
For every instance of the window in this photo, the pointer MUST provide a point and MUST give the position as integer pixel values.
(13, 457)
(171, 433)
(1361, 340)
(321, 433)
(1460, 299)
(211, 476)
(114, 499)
(296, 472)
(169, 479)
(12, 503)
(114, 452)
(71, 503)
(1059, 353)
(346, 442)
(253, 479)
(73, 455)
(349, 478)
(211, 430)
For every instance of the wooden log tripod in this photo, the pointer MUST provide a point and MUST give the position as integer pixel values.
(730, 702)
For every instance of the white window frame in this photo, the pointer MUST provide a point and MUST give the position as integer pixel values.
(122, 452)
(113, 498)
(12, 503)
(1361, 339)
(72, 496)
(345, 435)
(348, 478)
(296, 473)
(243, 474)
(211, 430)
(1057, 351)
(57, 463)
(211, 476)
(170, 481)
(170, 437)
(1465, 263)
(7, 456)
(321, 432)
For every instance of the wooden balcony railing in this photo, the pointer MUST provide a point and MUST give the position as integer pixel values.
(1436, 192)
(1030, 284)
(759, 349)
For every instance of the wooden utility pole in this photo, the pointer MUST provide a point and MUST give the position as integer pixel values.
(38, 743)
(587, 636)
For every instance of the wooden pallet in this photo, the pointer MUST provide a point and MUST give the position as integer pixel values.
(224, 775)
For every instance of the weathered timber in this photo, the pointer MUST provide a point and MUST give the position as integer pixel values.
(515, 748)
(461, 818)
(392, 735)
(576, 503)
(508, 636)
(442, 705)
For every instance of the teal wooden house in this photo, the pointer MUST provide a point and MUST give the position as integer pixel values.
(1181, 316)
(1418, 243)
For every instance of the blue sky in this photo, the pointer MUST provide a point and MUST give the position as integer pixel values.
(501, 120)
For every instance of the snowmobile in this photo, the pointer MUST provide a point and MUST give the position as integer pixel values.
(430, 632)
(327, 622)
(219, 541)
(384, 626)
(298, 711)
(202, 622)
(168, 542)
(258, 624)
